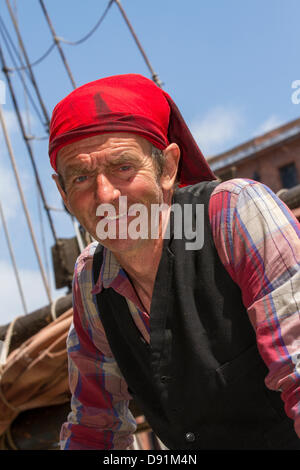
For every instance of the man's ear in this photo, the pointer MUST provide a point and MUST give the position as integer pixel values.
(168, 177)
(62, 192)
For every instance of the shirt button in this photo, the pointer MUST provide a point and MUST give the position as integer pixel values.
(190, 437)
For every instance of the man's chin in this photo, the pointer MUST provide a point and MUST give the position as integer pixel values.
(121, 245)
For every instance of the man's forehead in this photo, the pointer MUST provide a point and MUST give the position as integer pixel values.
(83, 149)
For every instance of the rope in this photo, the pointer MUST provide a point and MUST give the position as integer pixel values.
(26, 212)
(58, 40)
(12, 45)
(10, 441)
(53, 309)
(4, 32)
(43, 236)
(57, 209)
(36, 62)
(13, 260)
(3, 358)
(78, 235)
(6, 343)
(88, 35)
(33, 137)
(9, 405)
(32, 78)
(29, 147)
(61, 52)
(65, 41)
(155, 77)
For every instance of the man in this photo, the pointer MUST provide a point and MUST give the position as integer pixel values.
(190, 331)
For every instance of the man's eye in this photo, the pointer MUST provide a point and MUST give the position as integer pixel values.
(125, 167)
(80, 179)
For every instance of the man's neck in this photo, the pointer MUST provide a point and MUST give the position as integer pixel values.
(141, 264)
(141, 267)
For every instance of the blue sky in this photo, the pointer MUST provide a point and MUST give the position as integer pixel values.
(229, 66)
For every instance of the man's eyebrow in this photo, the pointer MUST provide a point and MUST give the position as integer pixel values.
(124, 158)
(76, 170)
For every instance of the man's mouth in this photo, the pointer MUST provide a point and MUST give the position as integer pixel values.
(115, 217)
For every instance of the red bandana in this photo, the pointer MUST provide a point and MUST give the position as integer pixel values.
(127, 103)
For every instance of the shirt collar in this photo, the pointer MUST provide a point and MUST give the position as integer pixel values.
(109, 272)
(112, 275)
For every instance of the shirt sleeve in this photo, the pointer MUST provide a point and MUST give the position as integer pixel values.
(258, 241)
(99, 417)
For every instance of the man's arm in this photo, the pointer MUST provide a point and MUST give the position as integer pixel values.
(100, 418)
(258, 241)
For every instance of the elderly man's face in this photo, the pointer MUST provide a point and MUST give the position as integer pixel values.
(98, 170)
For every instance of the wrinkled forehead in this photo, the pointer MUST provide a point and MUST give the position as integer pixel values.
(115, 143)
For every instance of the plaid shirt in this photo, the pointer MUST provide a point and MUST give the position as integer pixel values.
(258, 242)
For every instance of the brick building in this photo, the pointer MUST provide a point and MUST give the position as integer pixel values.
(272, 158)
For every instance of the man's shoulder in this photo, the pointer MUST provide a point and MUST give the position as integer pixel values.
(235, 185)
(206, 190)
(196, 192)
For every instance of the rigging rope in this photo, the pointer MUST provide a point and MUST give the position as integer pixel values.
(32, 78)
(13, 260)
(88, 35)
(37, 188)
(28, 69)
(5, 35)
(36, 62)
(26, 212)
(155, 77)
(29, 148)
(33, 137)
(61, 52)
(43, 237)
(65, 41)
(11, 43)
(6, 344)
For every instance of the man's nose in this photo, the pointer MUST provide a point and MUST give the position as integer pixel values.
(105, 191)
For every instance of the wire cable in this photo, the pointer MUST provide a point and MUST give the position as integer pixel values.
(26, 212)
(65, 41)
(88, 35)
(7, 38)
(32, 78)
(43, 236)
(57, 43)
(13, 260)
(38, 61)
(155, 77)
(3, 26)
(29, 148)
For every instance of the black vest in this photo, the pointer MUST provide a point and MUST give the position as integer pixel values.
(200, 382)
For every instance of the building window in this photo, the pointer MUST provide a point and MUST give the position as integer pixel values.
(288, 175)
